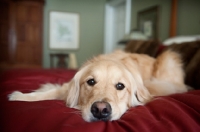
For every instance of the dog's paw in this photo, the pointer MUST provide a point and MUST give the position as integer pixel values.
(15, 96)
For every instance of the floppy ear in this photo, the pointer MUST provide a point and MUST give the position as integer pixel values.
(139, 93)
(72, 92)
(142, 94)
(73, 88)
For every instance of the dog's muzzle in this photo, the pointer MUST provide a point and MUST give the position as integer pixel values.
(101, 110)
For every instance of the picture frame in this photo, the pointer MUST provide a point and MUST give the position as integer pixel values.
(148, 22)
(63, 30)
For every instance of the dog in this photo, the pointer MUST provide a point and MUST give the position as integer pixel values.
(106, 86)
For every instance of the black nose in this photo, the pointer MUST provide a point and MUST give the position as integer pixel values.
(101, 110)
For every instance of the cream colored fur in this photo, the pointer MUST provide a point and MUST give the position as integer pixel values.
(144, 77)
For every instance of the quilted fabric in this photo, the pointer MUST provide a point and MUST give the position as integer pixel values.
(179, 112)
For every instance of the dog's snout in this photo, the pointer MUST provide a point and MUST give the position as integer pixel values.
(101, 110)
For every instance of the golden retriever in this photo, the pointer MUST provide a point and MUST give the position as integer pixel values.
(107, 85)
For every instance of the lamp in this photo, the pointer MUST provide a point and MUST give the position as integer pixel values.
(133, 35)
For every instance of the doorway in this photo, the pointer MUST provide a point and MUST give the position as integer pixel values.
(117, 23)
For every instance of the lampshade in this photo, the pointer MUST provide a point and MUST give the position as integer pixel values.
(133, 35)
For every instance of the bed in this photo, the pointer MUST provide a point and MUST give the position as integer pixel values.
(178, 112)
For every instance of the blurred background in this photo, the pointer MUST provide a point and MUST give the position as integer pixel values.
(102, 26)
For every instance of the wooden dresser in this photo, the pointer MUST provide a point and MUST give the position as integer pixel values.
(21, 31)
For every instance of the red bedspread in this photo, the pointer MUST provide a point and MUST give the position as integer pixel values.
(180, 112)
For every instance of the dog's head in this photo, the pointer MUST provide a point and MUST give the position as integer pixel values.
(103, 89)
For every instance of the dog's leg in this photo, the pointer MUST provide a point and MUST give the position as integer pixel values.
(68, 92)
(46, 92)
(163, 88)
(168, 74)
(168, 67)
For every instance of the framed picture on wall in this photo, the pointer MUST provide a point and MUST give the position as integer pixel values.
(148, 22)
(63, 30)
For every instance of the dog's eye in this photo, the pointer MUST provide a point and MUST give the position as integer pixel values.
(137, 96)
(120, 86)
(91, 82)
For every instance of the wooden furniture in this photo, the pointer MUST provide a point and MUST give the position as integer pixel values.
(21, 33)
(173, 20)
(61, 60)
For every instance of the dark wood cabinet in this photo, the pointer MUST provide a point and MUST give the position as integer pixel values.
(21, 30)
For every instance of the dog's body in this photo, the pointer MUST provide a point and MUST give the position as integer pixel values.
(107, 85)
